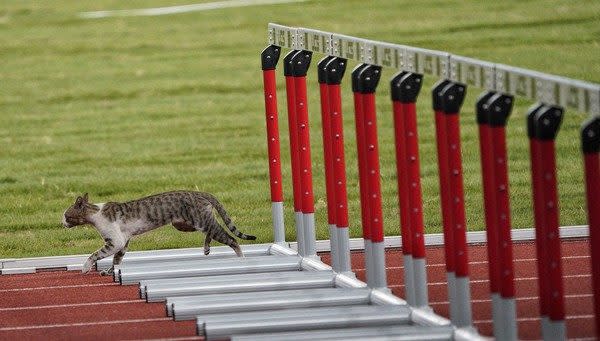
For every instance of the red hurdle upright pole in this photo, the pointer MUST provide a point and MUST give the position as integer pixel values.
(368, 80)
(328, 159)
(489, 200)
(361, 155)
(590, 143)
(300, 64)
(452, 98)
(405, 88)
(546, 123)
(335, 70)
(294, 155)
(445, 200)
(269, 59)
(499, 108)
(403, 193)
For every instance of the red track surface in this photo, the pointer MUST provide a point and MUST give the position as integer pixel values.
(577, 282)
(67, 305)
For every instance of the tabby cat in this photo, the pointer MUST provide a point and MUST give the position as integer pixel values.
(118, 222)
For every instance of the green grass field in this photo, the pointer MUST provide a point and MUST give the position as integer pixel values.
(126, 107)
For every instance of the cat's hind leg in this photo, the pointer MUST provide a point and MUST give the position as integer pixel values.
(217, 233)
(117, 258)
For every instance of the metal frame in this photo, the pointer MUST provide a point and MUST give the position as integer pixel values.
(550, 89)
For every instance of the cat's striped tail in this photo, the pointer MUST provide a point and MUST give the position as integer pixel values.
(226, 219)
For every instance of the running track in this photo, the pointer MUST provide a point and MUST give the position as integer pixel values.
(67, 305)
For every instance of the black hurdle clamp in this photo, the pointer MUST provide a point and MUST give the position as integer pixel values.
(269, 57)
(590, 135)
(405, 86)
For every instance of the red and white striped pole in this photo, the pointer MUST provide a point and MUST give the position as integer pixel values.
(499, 107)
(362, 176)
(294, 155)
(405, 88)
(545, 122)
(328, 158)
(300, 65)
(445, 199)
(269, 59)
(335, 70)
(368, 80)
(452, 96)
(590, 143)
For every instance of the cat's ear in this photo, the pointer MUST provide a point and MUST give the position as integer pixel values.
(85, 198)
(79, 202)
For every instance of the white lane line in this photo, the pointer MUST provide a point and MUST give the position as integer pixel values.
(529, 319)
(181, 9)
(71, 305)
(487, 280)
(84, 324)
(181, 338)
(526, 298)
(60, 287)
(481, 262)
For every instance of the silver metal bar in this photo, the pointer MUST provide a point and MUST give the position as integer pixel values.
(363, 333)
(144, 257)
(369, 261)
(343, 238)
(451, 280)
(463, 302)
(266, 300)
(299, 222)
(278, 226)
(550, 89)
(557, 330)
(209, 268)
(409, 279)
(334, 254)
(276, 323)
(420, 282)
(201, 320)
(270, 281)
(182, 281)
(379, 273)
(310, 238)
(509, 308)
(498, 317)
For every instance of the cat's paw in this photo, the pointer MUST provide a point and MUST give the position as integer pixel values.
(107, 272)
(206, 252)
(86, 267)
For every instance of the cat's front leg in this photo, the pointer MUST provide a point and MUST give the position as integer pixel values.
(110, 248)
(116, 261)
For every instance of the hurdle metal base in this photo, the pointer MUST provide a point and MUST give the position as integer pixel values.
(409, 279)
(218, 327)
(365, 333)
(231, 284)
(228, 266)
(187, 307)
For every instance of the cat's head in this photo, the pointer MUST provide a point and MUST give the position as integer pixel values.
(78, 212)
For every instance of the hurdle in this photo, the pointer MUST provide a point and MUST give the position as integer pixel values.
(501, 83)
(276, 292)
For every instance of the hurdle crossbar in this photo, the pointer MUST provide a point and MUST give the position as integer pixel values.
(519, 82)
